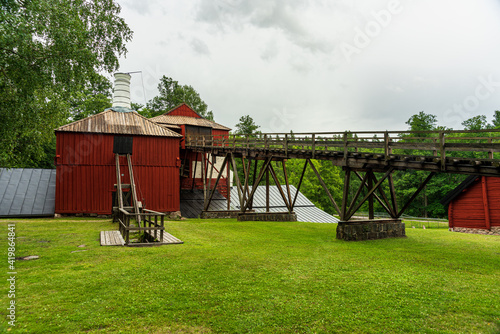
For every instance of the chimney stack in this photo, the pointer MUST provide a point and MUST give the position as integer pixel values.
(121, 96)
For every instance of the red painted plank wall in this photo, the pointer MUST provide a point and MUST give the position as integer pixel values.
(493, 190)
(183, 110)
(86, 172)
(468, 210)
(220, 134)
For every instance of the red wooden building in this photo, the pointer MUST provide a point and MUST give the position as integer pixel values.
(187, 122)
(86, 170)
(475, 203)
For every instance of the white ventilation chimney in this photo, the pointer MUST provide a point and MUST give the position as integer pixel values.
(121, 96)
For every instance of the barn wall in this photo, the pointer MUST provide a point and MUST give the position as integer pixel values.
(184, 110)
(493, 191)
(220, 134)
(468, 209)
(86, 172)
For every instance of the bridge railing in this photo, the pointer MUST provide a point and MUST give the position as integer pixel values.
(474, 144)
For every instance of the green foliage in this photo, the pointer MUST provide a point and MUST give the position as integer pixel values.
(172, 94)
(50, 53)
(248, 277)
(246, 126)
(475, 123)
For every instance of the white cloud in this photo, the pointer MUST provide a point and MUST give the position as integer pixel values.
(261, 57)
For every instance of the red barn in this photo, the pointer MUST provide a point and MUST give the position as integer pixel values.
(475, 203)
(189, 123)
(86, 169)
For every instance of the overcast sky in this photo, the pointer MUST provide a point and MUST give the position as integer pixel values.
(321, 65)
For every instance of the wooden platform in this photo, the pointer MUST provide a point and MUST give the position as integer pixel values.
(169, 239)
(112, 238)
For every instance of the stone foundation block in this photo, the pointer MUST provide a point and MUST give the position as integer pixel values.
(370, 229)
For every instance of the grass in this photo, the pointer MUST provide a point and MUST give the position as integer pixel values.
(249, 277)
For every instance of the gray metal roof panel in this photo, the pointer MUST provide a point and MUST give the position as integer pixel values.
(27, 192)
(306, 211)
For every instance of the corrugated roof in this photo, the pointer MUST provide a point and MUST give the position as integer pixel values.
(109, 121)
(192, 203)
(306, 211)
(179, 120)
(27, 192)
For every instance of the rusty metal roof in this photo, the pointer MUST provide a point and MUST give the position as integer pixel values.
(110, 121)
(186, 120)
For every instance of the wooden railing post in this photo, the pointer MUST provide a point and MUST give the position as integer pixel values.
(346, 152)
(313, 144)
(490, 152)
(386, 146)
(265, 142)
(286, 144)
(442, 151)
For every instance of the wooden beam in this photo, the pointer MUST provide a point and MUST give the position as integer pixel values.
(300, 183)
(486, 205)
(238, 183)
(261, 174)
(345, 195)
(394, 206)
(287, 184)
(370, 192)
(273, 174)
(212, 192)
(429, 177)
(325, 188)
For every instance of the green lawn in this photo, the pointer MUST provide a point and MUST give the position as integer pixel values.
(260, 277)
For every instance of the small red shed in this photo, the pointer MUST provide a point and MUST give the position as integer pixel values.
(192, 123)
(475, 203)
(86, 169)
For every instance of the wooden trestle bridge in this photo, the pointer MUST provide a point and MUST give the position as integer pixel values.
(360, 154)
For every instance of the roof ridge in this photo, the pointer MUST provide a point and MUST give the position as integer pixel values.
(178, 106)
(163, 127)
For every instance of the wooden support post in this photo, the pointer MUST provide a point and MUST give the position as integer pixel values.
(238, 183)
(261, 174)
(119, 190)
(287, 183)
(325, 188)
(246, 172)
(370, 193)
(255, 165)
(385, 203)
(207, 204)
(345, 195)
(273, 174)
(203, 176)
(267, 190)
(132, 190)
(300, 183)
(486, 205)
(214, 159)
(394, 206)
(371, 215)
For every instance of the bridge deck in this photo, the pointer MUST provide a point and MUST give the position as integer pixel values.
(463, 152)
